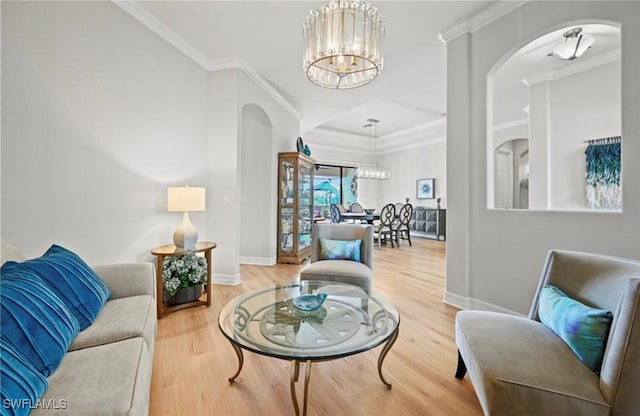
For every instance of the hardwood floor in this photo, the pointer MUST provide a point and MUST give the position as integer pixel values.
(193, 360)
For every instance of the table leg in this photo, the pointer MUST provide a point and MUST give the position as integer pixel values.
(238, 351)
(295, 372)
(383, 354)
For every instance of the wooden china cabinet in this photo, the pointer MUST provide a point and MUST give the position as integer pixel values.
(295, 206)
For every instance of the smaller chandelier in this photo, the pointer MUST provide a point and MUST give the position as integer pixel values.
(372, 172)
(343, 44)
(575, 44)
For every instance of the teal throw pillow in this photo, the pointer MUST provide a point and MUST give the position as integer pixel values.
(583, 328)
(69, 277)
(22, 385)
(340, 249)
(34, 321)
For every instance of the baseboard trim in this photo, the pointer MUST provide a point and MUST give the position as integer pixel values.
(226, 279)
(457, 301)
(463, 302)
(258, 261)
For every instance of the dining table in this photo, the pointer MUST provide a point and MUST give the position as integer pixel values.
(361, 216)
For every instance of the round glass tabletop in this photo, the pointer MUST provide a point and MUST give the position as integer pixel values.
(271, 321)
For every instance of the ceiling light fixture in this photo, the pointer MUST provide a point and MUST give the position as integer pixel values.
(372, 172)
(343, 44)
(574, 45)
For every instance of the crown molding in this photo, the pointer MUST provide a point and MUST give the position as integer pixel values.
(576, 66)
(483, 18)
(423, 135)
(242, 65)
(412, 145)
(144, 17)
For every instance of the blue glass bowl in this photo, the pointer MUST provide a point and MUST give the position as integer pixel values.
(309, 303)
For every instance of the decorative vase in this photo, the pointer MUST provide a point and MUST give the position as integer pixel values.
(183, 295)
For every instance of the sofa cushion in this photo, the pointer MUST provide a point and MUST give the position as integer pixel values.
(120, 319)
(340, 249)
(109, 379)
(583, 328)
(22, 385)
(75, 283)
(34, 321)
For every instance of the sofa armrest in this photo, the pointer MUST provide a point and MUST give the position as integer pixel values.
(128, 279)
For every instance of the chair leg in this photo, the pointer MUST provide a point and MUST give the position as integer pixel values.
(462, 368)
(409, 237)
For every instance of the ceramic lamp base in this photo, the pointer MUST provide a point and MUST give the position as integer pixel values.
(186, 235)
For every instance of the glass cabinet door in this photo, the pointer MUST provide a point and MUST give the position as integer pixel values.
(286, 206)
(305, 206)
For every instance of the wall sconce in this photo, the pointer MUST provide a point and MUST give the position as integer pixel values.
(185, 199)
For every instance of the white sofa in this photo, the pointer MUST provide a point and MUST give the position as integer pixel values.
(107, 368)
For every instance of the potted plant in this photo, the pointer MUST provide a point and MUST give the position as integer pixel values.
(182, 278)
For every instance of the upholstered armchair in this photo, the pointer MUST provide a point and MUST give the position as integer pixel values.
(359, 273)
(519, 366)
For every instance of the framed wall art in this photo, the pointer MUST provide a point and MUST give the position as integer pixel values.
(425, 188)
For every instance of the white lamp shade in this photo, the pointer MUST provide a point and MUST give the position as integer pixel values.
(185, 198)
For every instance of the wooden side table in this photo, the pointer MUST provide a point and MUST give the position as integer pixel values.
(171, 250)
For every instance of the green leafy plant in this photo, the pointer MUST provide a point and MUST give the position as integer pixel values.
(183, 271)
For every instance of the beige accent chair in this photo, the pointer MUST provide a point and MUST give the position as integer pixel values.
(520, 367)
(344, 271)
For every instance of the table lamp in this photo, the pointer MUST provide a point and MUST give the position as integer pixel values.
(185, 199)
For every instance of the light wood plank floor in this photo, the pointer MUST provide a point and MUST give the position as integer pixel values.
(193, 360)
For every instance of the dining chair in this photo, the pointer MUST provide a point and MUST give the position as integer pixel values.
(356, 208)
(400, 227)
(336, 216)
(383, 228)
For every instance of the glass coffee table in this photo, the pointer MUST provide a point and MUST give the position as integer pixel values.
(277, 322)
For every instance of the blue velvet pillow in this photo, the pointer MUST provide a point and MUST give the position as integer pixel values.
(340, 249)
(75, 283)
(34, 321)
(583, 328)
(22, 385)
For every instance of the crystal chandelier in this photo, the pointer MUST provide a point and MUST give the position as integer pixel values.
(372, 172)
(575, 44)
(343, 44)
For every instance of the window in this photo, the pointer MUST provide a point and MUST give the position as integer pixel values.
(333, 185)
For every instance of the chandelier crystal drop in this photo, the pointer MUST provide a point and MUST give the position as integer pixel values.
(343, 44)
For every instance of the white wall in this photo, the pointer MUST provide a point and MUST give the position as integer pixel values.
(285, 129)
(255, 215)
(409, 165)
(582, 106)
(487, 264)
(99, 116)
